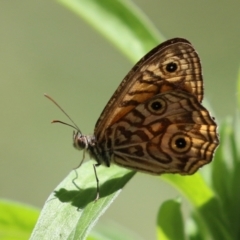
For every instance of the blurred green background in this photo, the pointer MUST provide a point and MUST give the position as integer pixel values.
(46, 48)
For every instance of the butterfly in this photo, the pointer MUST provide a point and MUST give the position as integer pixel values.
(155, 122)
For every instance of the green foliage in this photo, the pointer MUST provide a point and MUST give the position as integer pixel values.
(170, 212)
(16, 220)
(119, 21)
(70, 212)
(112, 231)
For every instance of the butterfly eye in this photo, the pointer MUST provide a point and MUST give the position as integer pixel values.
(181, 143)
(157, 106)
(171, 67)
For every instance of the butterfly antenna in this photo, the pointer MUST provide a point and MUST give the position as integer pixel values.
(75, 126)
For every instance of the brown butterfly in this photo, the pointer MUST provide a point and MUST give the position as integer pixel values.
(154, 122)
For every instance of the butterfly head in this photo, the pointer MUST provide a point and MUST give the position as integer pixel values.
(81, 141)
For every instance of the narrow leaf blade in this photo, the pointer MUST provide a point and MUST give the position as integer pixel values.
(70, 212)
(119, 21)
(170, 221)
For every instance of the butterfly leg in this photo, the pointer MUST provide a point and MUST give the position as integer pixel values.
(97, 180)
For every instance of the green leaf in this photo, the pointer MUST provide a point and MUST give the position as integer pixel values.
(71, 212)
(238, 89)
(204, 201)
(193, 187)
(196, 229)
(170, 221)
(223, 161)
(16, 220)
(233, 209)
(119, 21)
(110, 231)
(213, 216)
(226, 174)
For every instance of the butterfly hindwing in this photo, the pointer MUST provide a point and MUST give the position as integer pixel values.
(171, 132)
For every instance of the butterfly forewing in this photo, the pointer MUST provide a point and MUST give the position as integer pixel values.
(171, 65)
(170, 133)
